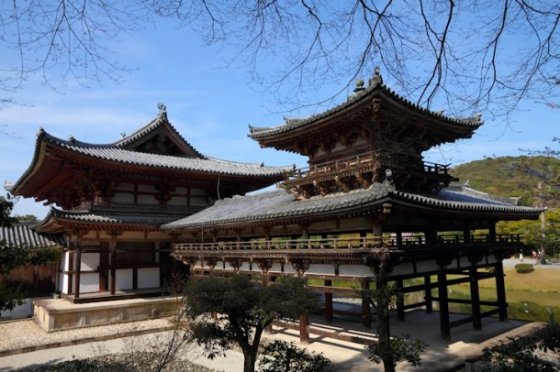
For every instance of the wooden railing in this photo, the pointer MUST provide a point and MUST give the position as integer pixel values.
(363, 159)
(409, 242)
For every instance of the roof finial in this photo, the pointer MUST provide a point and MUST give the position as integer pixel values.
(359, 86)
(377, 79)
(162, 110)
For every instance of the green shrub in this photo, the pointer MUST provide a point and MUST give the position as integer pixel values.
(524, 268)
(279, 356)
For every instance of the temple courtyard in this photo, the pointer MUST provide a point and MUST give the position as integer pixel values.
(22, 336)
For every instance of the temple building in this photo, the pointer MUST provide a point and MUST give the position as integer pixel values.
(367, 210)
(112, 198)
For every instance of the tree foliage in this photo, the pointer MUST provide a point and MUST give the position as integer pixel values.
(234, 311)
(533, 235)
(427, 49)
(526, 353)
(280, 356)
(402, 349)
(11, 256)
(516, 176)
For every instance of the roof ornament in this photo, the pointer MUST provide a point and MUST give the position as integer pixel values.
(359, 86)
(377, 79)
(388, 183)
(162, 111)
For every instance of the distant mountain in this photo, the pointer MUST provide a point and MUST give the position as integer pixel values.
(507, 176)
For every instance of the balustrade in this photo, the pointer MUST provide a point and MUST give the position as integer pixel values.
(389, 241)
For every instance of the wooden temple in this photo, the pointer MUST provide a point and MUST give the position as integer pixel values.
(112, 198)
(367, 210)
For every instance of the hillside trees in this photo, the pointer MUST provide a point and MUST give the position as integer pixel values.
(428, 50)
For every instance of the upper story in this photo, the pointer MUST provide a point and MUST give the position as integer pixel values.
(373, 135)
(153, 170)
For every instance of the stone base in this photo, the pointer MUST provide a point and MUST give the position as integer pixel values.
(59, 314)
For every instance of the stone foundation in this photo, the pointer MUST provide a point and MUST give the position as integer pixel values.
(59, 314)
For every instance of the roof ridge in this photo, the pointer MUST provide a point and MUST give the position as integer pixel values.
(375, 84)
(159, 121)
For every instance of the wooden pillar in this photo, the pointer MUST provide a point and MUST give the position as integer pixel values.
(70, 258)
(431, 236)
(399, 240)
(400, 299)
(443, 305)
(304, 328)
(475, 298)
(466, 235)
(492, 232)
(428, 293)
(377, 232)
(366, 310)
(328, 302)
(501, 290)
(112, 262)
(77, 270)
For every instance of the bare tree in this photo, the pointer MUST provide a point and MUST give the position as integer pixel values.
(468, 55)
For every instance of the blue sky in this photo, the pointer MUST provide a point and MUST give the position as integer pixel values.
(211, 102)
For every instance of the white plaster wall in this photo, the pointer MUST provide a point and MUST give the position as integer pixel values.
(148, 277)
(123, 279)
(354, 270)
(199, 192)
(89, 282)
(122, 197)
(402, 269)
(147, 188)
(320, 269)
(425, 266)
(125, 186)
(65, 261)
(178, 200)
(276, 268)
(147, 199)
(63, 284)
(181, 190)
(90, 261)
(245, 266)
(197, 201)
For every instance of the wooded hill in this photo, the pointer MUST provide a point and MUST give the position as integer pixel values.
(508, 176)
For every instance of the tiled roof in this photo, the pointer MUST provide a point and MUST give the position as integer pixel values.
(279, 204)
(375, 88)
(159, 121)
(207, 165)
(152, 220)
(22, 235)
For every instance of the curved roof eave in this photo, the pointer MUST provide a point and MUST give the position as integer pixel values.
(157, 161)
(362, 200)
(376, 88)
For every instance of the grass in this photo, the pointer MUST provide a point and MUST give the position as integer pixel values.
(543, 279)
(530, 296)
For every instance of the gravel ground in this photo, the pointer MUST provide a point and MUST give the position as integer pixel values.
(130, 362)
(25, 333)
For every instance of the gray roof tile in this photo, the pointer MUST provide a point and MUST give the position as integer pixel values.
(22, 235)
(279, 204)
(152, 220)
(376, 87)
(206, 165)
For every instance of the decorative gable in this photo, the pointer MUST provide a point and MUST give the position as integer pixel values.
(159, 137)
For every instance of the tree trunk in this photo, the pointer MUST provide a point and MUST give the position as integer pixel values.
(249, 361)
(383, 329)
